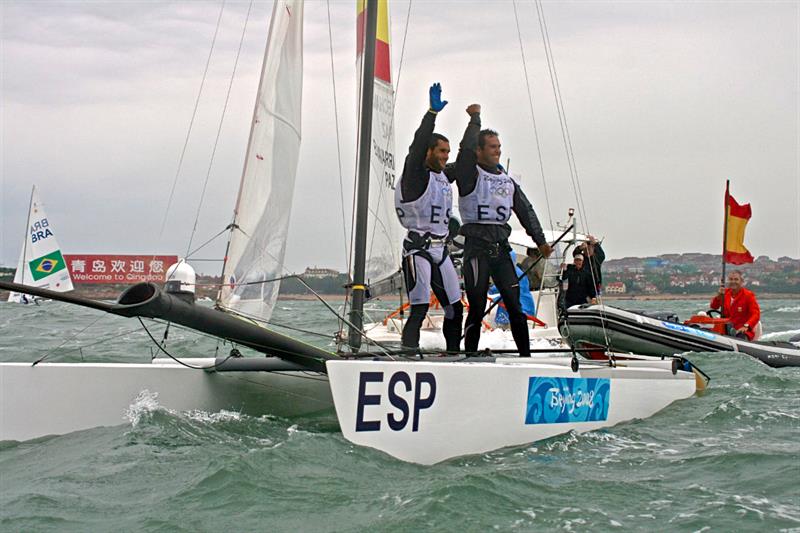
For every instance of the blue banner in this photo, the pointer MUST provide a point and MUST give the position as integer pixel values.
(691, 331)
(553, 400)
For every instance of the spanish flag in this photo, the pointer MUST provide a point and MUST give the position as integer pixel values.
(383, 69)
(736, 217)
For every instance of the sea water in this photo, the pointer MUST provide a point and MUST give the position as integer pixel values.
(728, 460)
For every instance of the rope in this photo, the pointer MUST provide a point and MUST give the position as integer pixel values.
(219, 128)
(191, 122)
(209, 241)
(562, 115)
(533, 116)
(566, 138)
(338, 140)
(46, 355)
(187, 365)
(259, 320)
(318, 296)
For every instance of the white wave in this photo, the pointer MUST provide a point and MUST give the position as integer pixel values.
(208, 418)
(780, 335)
(792, 309)
(145, 403)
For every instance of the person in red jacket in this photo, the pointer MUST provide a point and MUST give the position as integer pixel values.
(738, 304)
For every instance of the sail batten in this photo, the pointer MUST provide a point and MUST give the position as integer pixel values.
(263, 208)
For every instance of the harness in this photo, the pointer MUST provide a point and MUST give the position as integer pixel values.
(477, 246)
(419, 244)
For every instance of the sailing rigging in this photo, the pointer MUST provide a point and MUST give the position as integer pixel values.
(296, 378)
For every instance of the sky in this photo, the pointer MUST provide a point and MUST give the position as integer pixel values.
(663, 102)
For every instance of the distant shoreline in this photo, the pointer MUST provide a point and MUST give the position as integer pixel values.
(112, 295)
(638, 297)
(641, 297)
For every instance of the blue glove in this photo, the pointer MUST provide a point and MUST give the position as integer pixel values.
(435, 93)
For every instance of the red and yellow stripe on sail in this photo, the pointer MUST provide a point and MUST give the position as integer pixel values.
(735, 224)
(383, 69)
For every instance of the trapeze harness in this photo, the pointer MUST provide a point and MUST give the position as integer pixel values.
(426, 220)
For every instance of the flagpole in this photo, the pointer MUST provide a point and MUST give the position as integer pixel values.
(724, 241)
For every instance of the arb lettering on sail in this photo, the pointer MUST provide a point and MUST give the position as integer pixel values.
(384, 231)
(41, 263)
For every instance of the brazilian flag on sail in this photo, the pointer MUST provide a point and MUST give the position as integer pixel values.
(41, 267)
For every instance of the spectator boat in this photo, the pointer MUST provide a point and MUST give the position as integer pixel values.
(663, 335)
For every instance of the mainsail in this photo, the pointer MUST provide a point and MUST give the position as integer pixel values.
(41, 263)
(383, 229)
(261, 218)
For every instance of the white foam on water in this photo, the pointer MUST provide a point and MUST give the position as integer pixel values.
(780, 335)
(790, 309)
(210, 418)
(145, 403)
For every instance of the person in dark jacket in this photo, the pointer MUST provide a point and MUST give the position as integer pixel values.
(593, 251)
(580, 287)
(424, 203)
(487, 198)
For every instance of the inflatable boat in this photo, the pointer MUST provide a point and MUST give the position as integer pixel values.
(663, 334)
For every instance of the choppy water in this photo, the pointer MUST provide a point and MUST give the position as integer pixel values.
(726, 461)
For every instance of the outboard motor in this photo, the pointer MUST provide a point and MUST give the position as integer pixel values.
(180, 281)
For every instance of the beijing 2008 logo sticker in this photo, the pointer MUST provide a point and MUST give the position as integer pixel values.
(553, 400)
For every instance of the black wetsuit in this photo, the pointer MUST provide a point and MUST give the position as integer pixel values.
(486, 249)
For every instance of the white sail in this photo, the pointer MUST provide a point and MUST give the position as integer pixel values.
(41, 263)
(384, 233)
(261, 218)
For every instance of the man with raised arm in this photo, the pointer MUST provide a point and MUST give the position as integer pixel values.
(424, 202)
(738, 304)
(487, 197)
(593, 251)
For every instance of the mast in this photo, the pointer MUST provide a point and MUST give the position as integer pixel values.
(724, 242)
(358, 287)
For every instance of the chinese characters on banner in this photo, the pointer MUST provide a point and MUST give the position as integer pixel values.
(119, 268)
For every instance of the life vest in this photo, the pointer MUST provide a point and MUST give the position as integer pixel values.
(430, 213)
(490, 202)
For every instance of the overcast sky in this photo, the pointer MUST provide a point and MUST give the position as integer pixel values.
(664, 101)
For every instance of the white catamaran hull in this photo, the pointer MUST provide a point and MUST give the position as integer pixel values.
(427, 412)
(58, 398)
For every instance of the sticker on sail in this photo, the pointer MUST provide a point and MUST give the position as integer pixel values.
(691, 331)
(41, 267)
(554, 400)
